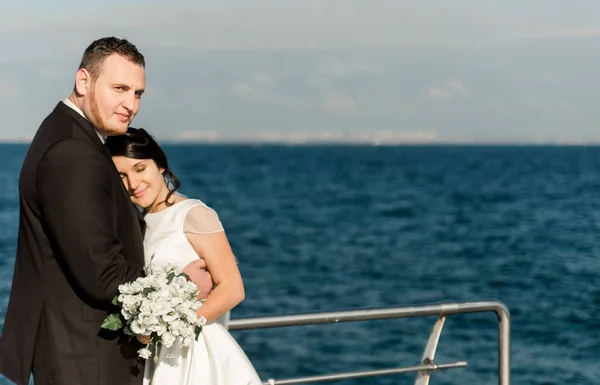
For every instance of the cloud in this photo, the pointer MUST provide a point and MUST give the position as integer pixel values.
(302, 25)
(395, 137)
(318, 83)
(199, 135)
(564, 106)
(305, 137)
(339, 102)
(451, 89)
(289, 70)
(579, 32)
(263, 78)
(243, 89)
(255, 87)
(550, 78)
(530, 103)
(51, 73)
(340, 69)
(7, 90)
(335, 69)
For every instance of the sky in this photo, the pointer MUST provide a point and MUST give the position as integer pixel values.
(297, 71)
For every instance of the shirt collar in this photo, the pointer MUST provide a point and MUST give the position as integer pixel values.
(78, 110)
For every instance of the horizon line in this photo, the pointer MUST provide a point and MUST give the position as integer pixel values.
(356, 142)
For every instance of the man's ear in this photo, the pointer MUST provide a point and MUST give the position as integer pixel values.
(83, 82)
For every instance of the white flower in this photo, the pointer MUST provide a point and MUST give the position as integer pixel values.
(159, 329)
(183, 307)
(160, 307)
(130, 302)
(126, 314)
(167, 339)
(191, 316)
(165, 310)
(146, 306)
(191, 287)
(171, 316)
(188, 332)
(177, 327)
(174, 301)
(145, 353)
(136, 327)
(135, 287)
(147, 319)
(164, 292)
(200, 321)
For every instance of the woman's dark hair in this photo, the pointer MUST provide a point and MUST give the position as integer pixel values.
(137, 143)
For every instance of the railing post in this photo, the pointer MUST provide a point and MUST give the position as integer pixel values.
(429, 353)
(503, 345)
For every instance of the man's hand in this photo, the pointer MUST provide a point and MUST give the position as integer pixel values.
(143, 339)
(197, 272)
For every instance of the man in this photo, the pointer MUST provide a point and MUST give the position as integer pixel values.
(80, 237)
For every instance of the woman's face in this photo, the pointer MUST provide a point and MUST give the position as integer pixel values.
(143, 180)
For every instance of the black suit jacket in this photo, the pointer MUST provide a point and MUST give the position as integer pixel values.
(79, 238)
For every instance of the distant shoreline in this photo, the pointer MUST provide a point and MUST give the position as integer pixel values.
(354, 144)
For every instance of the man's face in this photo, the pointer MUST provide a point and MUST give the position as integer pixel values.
(113, 99)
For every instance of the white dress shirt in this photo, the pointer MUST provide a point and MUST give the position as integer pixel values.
(74, 107)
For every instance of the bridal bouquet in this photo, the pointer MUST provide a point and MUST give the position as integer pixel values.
(161, 305)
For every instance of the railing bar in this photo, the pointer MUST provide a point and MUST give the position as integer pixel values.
(363, 315)
(368, 373)
(502, 313)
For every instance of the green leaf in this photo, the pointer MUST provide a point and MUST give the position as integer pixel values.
(170, 277)
(197, 331)
(115, 300)
(112, 322)
(157, 346)
(148, 290)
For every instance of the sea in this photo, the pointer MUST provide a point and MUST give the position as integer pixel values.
(345, 227)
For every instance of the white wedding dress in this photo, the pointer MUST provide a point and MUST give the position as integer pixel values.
(216, 358)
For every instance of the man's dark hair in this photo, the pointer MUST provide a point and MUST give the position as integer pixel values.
(102, 48)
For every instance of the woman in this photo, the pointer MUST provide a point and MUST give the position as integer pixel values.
(178, 231)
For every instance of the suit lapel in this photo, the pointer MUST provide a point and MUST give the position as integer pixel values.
(84, 124)
(91, 134)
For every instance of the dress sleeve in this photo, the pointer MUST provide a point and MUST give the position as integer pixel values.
(202, 220)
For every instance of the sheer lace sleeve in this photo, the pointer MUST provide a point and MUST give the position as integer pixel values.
(202, 220)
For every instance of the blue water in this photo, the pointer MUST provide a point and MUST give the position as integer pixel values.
(320, 228)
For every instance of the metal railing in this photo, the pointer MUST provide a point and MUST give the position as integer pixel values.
(428, 364)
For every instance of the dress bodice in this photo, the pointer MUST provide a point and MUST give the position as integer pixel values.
(165, 240)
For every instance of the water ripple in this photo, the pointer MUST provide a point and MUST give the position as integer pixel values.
(332, 227)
